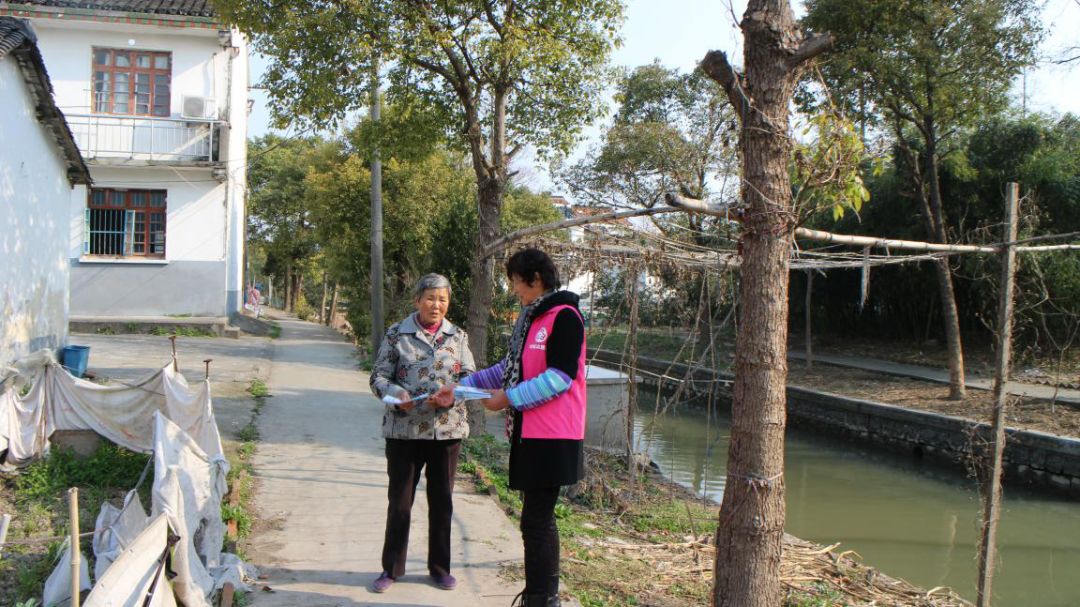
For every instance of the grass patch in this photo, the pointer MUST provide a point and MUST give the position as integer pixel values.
(184, 331)
(258, 389)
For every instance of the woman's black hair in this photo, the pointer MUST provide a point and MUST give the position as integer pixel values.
(530, 264)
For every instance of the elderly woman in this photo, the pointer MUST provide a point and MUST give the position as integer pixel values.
(419, 355)
(542, 383)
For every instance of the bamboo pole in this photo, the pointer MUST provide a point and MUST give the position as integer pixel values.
(76, 556)
(207, 361)
(992, 493)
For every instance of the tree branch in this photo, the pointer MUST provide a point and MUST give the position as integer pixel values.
(811, 47)
(505, 241)
(716, 66)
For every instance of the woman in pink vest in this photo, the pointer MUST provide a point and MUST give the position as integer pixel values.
(542, 383)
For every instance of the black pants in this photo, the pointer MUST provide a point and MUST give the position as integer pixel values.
(404, 461)
(541, 538)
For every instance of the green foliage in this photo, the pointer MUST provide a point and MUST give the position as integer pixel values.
(946, 61)
(545, 59)
(239, 514)
(828, 167)
(258, 388)
(819, 594)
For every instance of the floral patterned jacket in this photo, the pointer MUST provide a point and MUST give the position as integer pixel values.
(418, 362)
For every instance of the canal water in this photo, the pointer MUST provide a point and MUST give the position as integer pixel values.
(910, 520)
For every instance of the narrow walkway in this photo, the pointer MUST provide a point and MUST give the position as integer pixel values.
(321, 494)
(1067, 395)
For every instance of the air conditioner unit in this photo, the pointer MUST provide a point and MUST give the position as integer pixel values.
(198, 107)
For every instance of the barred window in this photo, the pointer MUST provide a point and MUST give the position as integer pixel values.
(125, 223)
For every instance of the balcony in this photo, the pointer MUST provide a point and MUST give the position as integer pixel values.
(146, 140)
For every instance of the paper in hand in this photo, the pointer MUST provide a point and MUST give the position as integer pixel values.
(393, 400)
(468, 393)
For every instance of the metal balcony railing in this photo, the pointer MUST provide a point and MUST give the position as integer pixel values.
(108, 137)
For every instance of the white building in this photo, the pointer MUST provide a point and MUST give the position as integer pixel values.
(155, 92)
(39, 166)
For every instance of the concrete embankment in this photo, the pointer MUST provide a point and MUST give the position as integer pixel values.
(1032, 458)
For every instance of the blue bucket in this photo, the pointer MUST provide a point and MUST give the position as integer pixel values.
(75, 359)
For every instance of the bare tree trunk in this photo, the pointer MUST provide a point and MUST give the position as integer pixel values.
(288, 289)
(333, 306)
(325, 293)
(751, 522)
(949, 315)
(480, 298)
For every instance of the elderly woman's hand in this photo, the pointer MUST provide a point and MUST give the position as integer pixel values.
(497, 402)
(444, 397)
(407, 402)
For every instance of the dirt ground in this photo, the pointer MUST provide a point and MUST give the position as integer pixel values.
(1029, 414)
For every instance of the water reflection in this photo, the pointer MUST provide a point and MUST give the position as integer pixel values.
(911, 520)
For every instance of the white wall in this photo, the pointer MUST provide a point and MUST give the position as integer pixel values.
(195, 222)
(34, 193)
(66, 47)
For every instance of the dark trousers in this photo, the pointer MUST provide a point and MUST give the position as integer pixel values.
(404, 461)
(541, 539)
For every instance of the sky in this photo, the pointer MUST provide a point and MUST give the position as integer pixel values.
(679, 32)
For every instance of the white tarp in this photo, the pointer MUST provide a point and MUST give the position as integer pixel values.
(124, 414)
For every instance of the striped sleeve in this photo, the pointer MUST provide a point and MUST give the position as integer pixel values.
(486, 379)
(538, 390)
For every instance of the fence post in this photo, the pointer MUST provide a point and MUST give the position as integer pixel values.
(76, 556)
(992, 492)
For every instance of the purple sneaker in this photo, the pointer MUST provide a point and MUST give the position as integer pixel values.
(382, 583)
(444, 581)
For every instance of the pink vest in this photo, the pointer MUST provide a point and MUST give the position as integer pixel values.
(564, 416)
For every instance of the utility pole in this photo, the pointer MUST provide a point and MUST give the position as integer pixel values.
(992, 492)
(376, 217)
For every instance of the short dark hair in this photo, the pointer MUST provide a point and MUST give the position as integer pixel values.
(530, 264)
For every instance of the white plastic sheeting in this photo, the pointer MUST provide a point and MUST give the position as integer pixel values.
(161, 414)
(136, 570)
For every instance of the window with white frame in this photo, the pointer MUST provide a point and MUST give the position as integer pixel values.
(132, 82)
(125, 223)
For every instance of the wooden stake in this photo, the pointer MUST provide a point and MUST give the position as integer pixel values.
(76, 557)
(992, 492)
(809, 297)
(207, 361)
(5, 522)
(175, 361)
(227, 595)
(631, 399)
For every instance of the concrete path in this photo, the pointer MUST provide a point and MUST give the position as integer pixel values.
(939, 375)
(321, 490)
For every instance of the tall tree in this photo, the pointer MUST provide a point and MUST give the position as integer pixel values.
(672, 132)
(926, 70)
(751, 523)
(504, 74)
